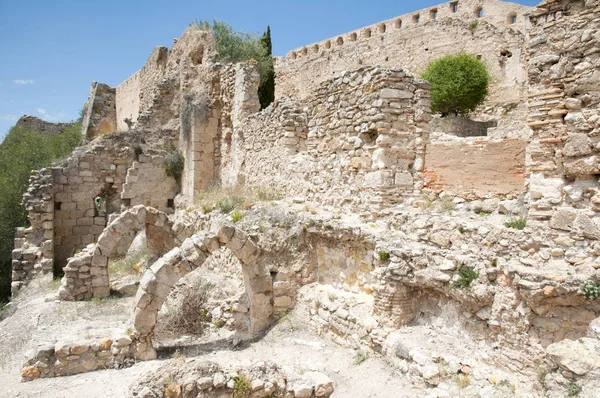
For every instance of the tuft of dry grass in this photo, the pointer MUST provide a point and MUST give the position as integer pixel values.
(228, 199)
(190, 316)
(133, 264)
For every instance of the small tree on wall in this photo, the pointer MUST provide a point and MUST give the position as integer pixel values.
(238, 46)
(459, 83)
(266, 90)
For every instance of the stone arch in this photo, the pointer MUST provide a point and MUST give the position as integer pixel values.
(339, 41)
(315, 49)
(381, 28)
(160, 278)
(398, 24)
(86, 274)
(512, 18)
(304, 51)
(328, 44)
(366, 33)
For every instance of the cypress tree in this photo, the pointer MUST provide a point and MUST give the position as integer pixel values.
(266, 90)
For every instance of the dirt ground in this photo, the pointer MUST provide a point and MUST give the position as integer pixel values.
(37, 318)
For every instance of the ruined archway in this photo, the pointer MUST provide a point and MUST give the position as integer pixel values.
(86, 273)
(160, 278)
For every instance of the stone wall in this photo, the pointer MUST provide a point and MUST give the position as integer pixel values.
(33, 246)
(209, 379)
(65, 358)
(100, 112)
(147, 184)
(460, 126)
(564, 101)
(86, 190)
(359, 141)
(476, 167)
(411, 41)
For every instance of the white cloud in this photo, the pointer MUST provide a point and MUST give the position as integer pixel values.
(41, 111)
(21, 81)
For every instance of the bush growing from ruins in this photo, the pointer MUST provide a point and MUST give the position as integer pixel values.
(359, 358)
(236, 216)
(590, 290)
(238, 46)
(459, 83)
(384, 256)
(266, 90)
(242, 387)
(174, 164)
(20, 152)
(466, 275)
(473, 25)
(190, 316)
(517, 223)
(573, 390)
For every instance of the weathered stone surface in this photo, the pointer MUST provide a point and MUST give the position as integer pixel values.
(577, 145)
(579, 357)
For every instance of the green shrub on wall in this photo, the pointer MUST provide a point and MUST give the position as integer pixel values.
(459, 83)
(237, 46)
(20, 152)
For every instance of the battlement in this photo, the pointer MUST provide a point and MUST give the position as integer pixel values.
(494, 12)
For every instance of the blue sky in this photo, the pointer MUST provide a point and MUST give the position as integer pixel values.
(53, 49)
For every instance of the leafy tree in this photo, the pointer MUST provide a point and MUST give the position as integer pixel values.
(237, 46)
(20, 152)
(266, 90)
(459, 83)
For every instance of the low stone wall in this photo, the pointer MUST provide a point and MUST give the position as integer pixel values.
(476, 168)
(69, 358)
(208, 379)
(461, 127)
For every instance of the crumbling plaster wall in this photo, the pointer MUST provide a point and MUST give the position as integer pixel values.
(412, 45)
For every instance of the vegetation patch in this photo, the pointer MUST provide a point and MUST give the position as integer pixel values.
(132, 264)
(242, 387)
(517, 223)
(590, 290)
(236, 216)
(459, 83)
(229, 199)
(466, 275)
(237, 46)
(573, 390)
(359, 358)
(384, 256)
(174, 164)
